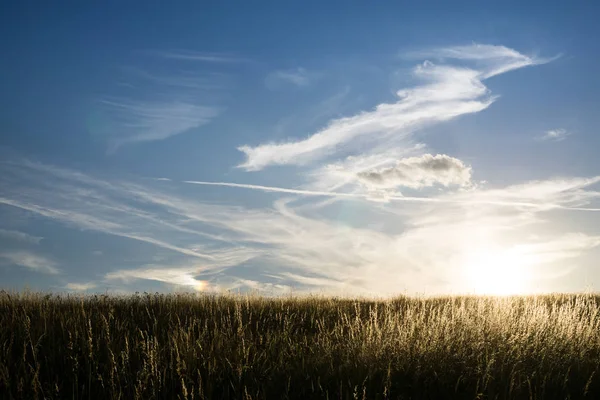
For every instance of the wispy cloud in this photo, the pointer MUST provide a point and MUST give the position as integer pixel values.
(345, 243)
(190, 79)
(550, 193)
(149, 121)
(554, 135)
(298, 77)
(20, 236)
(191, 55)
(490, 60)
(171, 275)
(162, 101)
(105, 224)
(80, 287)
(30, 260)
(543, 195)
(277, 189)
(318, 112)
(264, 288)
(303, 247)
(563, 247)
(448, 91)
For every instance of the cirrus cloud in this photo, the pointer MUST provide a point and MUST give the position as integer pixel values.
(446, 92)
(31, 261)
(554, 135)
(20, 236)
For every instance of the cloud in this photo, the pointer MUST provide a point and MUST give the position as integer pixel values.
(150, 121)
(264, 288)
(30, 260)
(554, 135)
(419, 247)
(569, 245)
(192, 80)
(80, 287)
(418, 172)
(326, 233)
(171, 275)
(557, 193)
(162, 99)
(448, 91)
(105, 223)
(299, 77)
(389, 196)
(491, 60)
(335, 176)
(277, 189)
(20, 236)
(191, 55)
(80, 201)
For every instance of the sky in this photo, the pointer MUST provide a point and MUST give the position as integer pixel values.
(341, 148)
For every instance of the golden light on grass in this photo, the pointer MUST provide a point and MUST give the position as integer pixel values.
(164, 346)
(495, 271)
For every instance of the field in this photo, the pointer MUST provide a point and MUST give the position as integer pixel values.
(155, 346)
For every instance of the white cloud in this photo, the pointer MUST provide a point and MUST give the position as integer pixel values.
(104, 223)
(316, 113)
(298, 77)
(191, 55)
(349, 258)
(20, 236)
(491, 60)
(171, 275)
(304, 246)
(567, 246)
(264, 288)
(80, 287)
(418, 172)
(277, 189)
(387, 196)
(83, 202)
(555, 135)
(193, 80)
(448, 91)
(336, 175)
(566, 193)
(161, 103)
(30, 260)
(345, 243)
(149, 121)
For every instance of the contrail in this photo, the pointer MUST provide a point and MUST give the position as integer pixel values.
(308, 192)
(276, 189)
(304, 192)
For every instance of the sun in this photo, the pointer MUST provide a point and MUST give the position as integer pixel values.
(492, 271)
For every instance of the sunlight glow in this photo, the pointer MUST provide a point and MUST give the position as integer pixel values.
(492, 271)
(201, 286)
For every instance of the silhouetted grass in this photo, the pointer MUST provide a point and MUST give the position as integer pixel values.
(226, 347)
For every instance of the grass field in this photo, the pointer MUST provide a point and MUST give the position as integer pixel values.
(227, 347)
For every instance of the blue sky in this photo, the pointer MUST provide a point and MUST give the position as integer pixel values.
(331, 148)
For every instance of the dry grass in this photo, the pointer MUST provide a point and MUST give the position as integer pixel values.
(218, 347)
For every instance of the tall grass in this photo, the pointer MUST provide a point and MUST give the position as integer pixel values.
(220, 347)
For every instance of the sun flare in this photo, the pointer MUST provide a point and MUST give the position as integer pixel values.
(491, 271)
